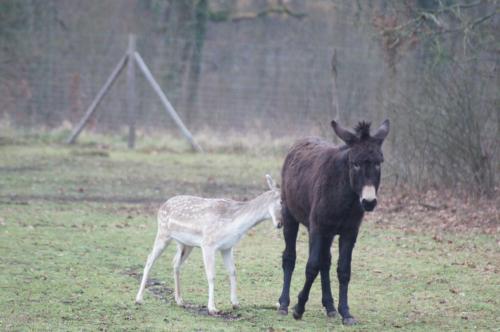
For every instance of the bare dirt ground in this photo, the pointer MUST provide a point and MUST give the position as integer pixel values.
(438, 211)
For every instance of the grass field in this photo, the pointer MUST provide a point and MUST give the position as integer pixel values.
(76, 225)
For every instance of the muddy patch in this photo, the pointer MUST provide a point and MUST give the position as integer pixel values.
(21, 169)
(163, 191)
(24, 199)
(202, 310)
(4, 141)
(90, 153)
(166, 294)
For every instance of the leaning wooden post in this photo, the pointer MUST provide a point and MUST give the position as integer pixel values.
(168, 107)
(131, 99)
(97, 99)
(335, 96)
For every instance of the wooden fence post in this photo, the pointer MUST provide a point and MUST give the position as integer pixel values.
(97, 99)
(131, 96)
(335, 95)
(168, 107)
(130, 58)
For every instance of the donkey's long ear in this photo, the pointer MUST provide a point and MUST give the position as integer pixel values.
(270, 182)
(344, 134)
(382, 132)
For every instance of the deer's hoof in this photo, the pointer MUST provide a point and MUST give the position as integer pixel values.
(213, 312)
(348, 321)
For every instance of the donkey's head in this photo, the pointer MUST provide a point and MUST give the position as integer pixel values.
(365, 156)
(275, 202)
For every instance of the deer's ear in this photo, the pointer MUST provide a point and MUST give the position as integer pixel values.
(270, 182)
(382, 132)
(344, 134)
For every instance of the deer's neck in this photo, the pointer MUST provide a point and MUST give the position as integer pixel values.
(253, 212)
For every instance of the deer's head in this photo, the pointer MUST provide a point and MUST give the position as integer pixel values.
(275, 202)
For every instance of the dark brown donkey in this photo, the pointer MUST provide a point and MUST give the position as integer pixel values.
(328, 188)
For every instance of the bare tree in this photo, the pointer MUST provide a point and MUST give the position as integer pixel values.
(450, 108)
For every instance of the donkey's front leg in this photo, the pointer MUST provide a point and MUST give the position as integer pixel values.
(346, 245)
(326, 290)
(209, 261)
(319, 251)
(227, 256)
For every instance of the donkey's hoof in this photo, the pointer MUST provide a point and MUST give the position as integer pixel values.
(348, 321)
(139, 301)
(236, 306)
(297, 315)
(331, 313)
(179, 301)
(298, 312)
(283, 311)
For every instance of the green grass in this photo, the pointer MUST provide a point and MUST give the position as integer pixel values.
(76, 225)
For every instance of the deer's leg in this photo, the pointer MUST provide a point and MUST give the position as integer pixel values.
(346, 245)
(326, 290)
(182, 254)
(319, 251)
(227, 256)
(290, 230)
(209, 261)
(161, 242)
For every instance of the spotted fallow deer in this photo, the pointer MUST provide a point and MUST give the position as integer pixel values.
(214, 225)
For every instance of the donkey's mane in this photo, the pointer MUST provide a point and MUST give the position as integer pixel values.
(363, 130)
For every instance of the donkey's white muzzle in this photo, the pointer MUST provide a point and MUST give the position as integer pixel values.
(368, 198)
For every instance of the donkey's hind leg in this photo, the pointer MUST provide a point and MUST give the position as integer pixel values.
(290, 230)
(182, 254)
(161, 242)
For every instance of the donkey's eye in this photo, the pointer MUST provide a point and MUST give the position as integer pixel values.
(377, 167)
(356, 166)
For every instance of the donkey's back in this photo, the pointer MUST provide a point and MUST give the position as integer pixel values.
(303, 173)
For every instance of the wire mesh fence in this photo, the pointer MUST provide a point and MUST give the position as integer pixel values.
(269, 74)
(264, 68)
